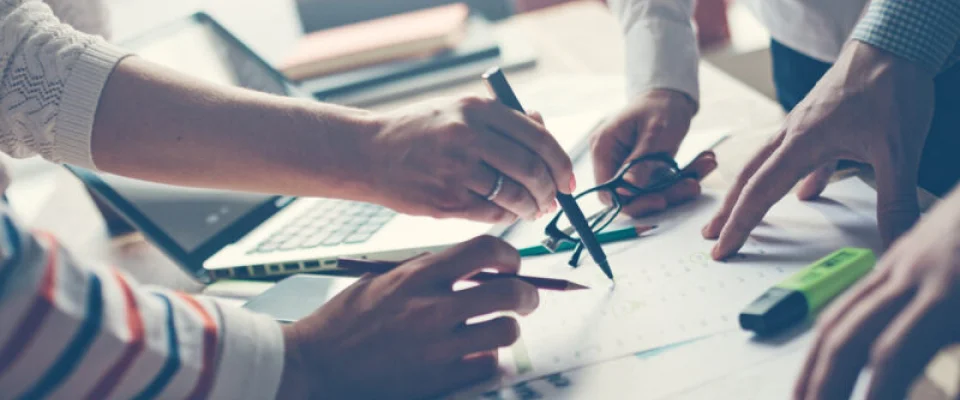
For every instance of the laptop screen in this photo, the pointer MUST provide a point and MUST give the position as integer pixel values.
(191, 217)
(188, 223)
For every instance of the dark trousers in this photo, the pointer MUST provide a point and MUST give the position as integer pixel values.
(795, 74)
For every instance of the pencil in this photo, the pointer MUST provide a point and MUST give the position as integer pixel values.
(602, 237)
(382, 267)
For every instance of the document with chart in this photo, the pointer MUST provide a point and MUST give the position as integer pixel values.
(669, 290)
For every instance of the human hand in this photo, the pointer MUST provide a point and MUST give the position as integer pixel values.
(870, 107)
(403, 334)
(443, 159)
(896, 320)
(655, 122)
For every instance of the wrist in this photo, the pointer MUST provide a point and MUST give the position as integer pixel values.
(293, 383)
(862, 56)
(335, 150)
(672, 100)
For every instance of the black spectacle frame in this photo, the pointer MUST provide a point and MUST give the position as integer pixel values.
(665, 175)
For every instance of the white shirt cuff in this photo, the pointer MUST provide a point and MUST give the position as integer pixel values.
(251, 359)
(78, 105)
(662, 54)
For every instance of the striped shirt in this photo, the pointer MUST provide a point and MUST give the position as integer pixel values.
(72, 330)
(76, 331)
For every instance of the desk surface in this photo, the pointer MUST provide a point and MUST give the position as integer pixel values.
(577, 38)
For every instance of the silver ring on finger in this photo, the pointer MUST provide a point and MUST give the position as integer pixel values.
(497, 187)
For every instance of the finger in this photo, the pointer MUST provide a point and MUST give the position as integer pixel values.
(609, 153)
(465, 259)
(897, 205)
(536, 116)
(641, 206)
(713, 228)
(844, 351)
(494, 296)
(703, 165)
(683, 191)
(479, 209)
(461, 373)
(842, 306)
(772, 181)
(511, 196)
(522, 165)
(828, 320)
(814, 184)
(909, 343)
(535, 137)
(485, 336)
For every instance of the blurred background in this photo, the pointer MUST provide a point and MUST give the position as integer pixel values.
(730, 37)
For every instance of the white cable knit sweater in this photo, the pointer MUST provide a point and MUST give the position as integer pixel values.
(71, 330)
(51, 76)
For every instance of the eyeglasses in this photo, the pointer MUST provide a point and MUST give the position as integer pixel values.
(652, 172)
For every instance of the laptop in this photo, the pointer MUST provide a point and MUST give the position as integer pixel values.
(221, 234)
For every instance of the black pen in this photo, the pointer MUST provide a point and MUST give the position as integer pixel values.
(497, 82)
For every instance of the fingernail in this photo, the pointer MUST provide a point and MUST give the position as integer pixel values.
(554, 207)
(715, 253)
(573, 184)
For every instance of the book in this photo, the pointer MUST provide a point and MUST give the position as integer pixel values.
(412, 35)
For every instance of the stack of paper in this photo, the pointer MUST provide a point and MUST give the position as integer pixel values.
(668, 290)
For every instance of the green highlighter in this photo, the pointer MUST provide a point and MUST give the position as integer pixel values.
(794, 299)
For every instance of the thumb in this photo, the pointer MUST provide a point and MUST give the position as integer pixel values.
(536, 116)
(608, 150)
(897, 205)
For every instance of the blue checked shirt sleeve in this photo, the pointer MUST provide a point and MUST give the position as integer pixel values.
(922, 31)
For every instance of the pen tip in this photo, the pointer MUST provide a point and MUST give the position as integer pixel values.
(576, 286)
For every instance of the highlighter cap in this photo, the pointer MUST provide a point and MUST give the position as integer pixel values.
(774, 311)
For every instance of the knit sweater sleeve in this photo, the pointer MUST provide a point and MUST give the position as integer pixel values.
(51, 77)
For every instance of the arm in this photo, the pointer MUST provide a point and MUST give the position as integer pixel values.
(921, 31)
(80, 331)
(875, 105)
(75, 99)
(662, 66)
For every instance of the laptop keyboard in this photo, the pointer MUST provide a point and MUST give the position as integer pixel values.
(328, 223)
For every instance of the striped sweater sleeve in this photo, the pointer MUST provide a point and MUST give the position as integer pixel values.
(69, 330)
(51, 77)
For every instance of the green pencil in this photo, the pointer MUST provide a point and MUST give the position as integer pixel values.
(602, 237)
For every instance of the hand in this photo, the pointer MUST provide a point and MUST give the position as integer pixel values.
(896, 320)
(655, 122)
(443, 160)
(403, 334)
(870, 107)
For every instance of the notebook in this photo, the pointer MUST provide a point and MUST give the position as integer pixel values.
(412, 35)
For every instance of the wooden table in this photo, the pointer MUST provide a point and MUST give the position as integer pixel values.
(576, 38)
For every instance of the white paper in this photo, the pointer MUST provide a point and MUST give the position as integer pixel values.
(733, 365)
(667, 288)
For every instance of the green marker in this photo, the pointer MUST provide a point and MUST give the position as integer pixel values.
(792, 300)
(602, 237)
